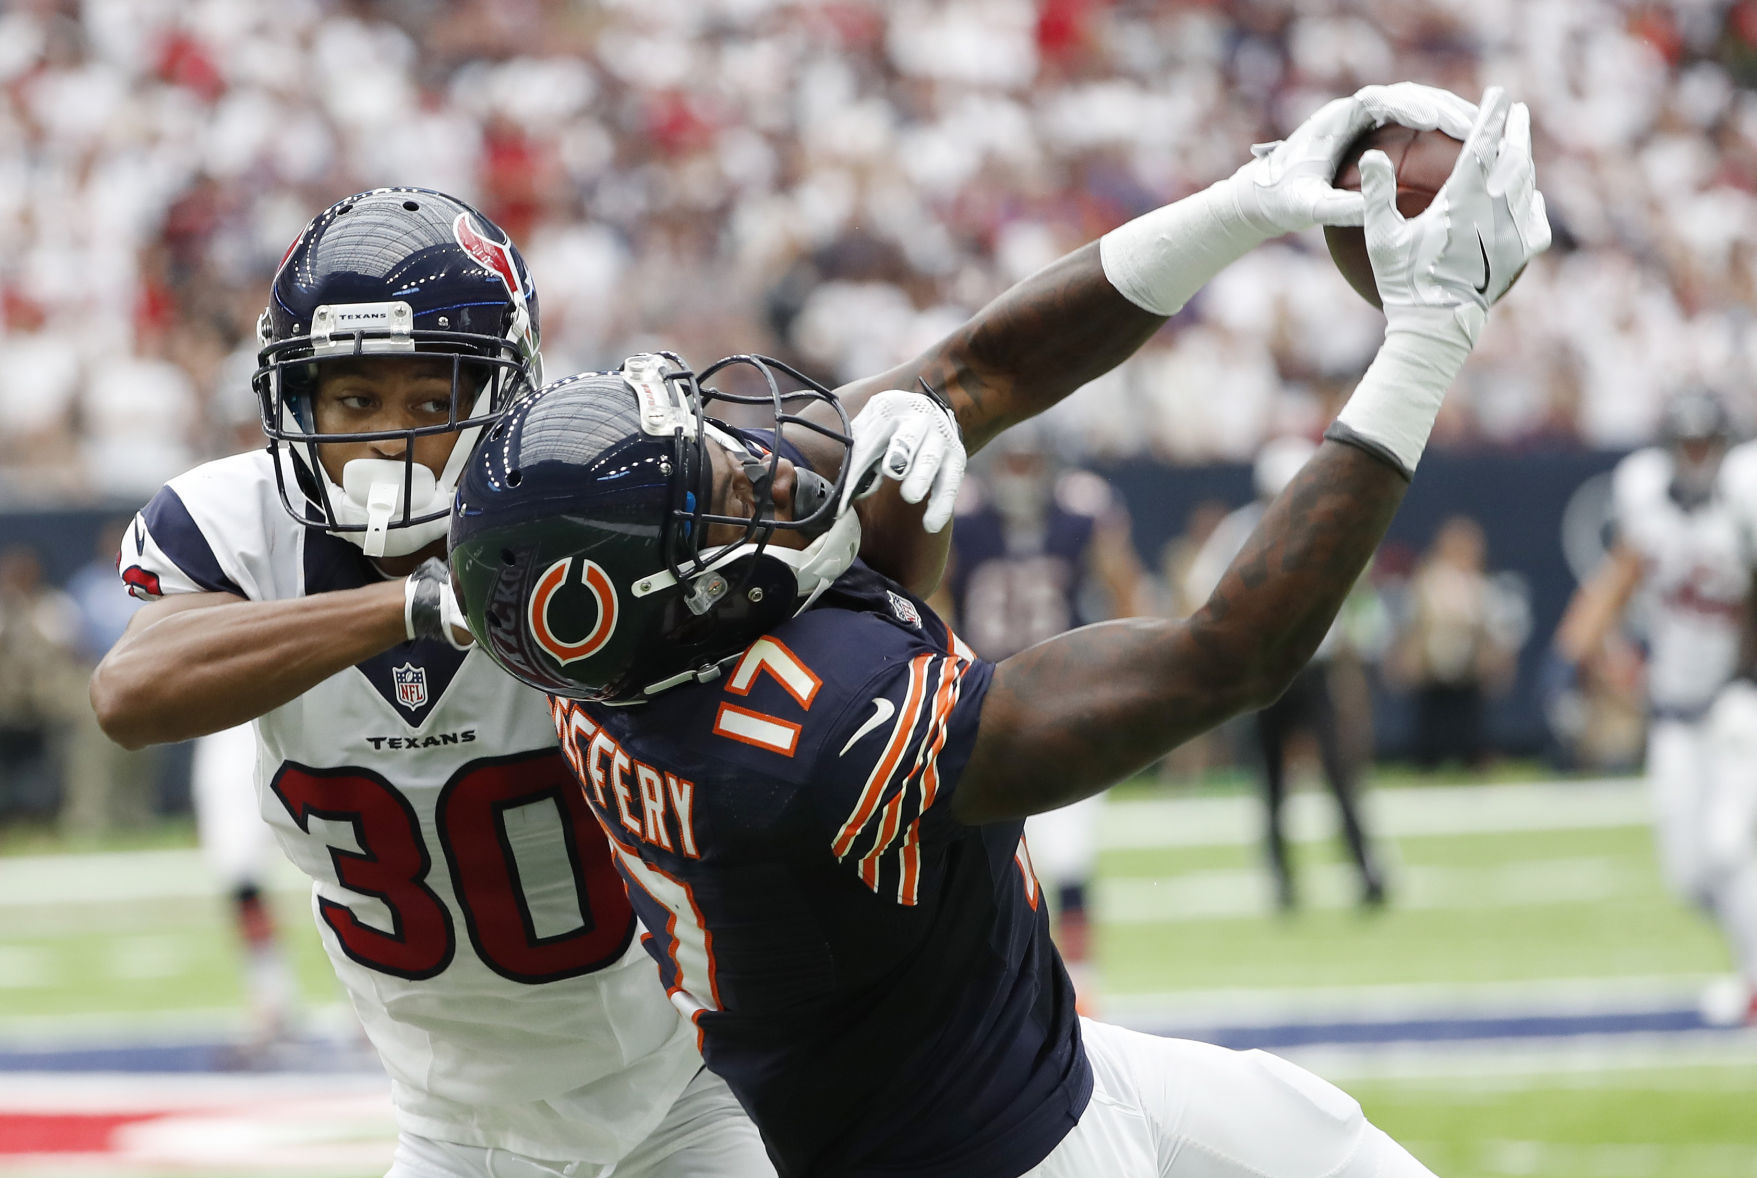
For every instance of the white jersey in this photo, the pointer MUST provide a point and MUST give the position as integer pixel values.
(1696, 568)
(464, 891)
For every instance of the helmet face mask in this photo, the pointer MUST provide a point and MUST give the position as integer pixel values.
(395, 273)
(596, 548)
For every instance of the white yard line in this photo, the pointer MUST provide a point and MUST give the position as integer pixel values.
(36, 881)
(1338, 1004)
(1622, 1160)
(123, 1092)
(330, 1020)
(1632, 1062)
(1232, 893)
(1400, 813)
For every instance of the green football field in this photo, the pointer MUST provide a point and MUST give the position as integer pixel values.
(1511, 903)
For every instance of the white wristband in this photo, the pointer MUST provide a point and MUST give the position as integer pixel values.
(1392, 410)
(411, 587)
(1161, 258)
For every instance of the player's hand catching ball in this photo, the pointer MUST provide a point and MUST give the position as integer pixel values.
(1487, 221)
(913, 438)
(1286, 186)
(430, 609)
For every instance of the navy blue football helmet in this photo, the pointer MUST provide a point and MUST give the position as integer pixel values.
(392, 272)
(586, 550)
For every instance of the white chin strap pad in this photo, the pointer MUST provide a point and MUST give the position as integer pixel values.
(372, 494)
(825, 558)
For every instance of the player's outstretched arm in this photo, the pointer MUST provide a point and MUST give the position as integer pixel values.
(197, 663)
(1073, 715)
(1084, 314)
(201, 662)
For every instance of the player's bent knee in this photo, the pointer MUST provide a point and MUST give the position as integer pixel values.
(1381, 1157)
(1323, 1131)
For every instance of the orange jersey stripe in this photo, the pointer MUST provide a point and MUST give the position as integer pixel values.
(933, 739)
(881, 774)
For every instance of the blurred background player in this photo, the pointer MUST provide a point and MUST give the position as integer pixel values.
(1307, 707)
(238, 846)
(1040, 548)
(1680, 539)
(1458, 646)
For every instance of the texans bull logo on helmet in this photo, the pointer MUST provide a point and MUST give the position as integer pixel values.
(490, 253)
(594, 583)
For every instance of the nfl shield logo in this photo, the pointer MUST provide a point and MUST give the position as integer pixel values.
(411, 684)
(904, 609)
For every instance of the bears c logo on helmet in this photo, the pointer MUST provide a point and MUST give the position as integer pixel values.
(552, 584)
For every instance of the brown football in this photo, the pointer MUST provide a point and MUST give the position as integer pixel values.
(1422, 161)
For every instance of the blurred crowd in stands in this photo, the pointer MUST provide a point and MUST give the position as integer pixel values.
(838, 181)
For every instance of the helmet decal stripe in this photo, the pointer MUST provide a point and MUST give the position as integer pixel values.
(603, 591)
(490, 253)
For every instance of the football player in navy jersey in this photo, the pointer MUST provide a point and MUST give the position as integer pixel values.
(816, 792)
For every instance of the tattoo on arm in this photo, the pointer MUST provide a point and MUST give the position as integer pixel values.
(1080, 712)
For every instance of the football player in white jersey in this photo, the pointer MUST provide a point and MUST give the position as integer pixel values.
(1679, 535)
(462, 890)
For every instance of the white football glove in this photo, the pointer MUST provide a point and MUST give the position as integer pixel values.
(1286, 186)
(1486, 223)
(430, 609)
(1437, 273)
(912, 438)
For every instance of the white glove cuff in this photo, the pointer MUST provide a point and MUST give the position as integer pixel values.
(429, 610)
(1392, 410)
(1161, 258)
(413, 588)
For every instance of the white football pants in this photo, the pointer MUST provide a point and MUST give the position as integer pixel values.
(236, 843)
(1703, 778)
(705, 1135)
(1174, 1108)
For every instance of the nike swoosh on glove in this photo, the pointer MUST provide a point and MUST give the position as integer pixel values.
(1487, 221)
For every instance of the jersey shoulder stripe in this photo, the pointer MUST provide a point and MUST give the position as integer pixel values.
(899, 830)
(213, 529)
(167, 520)
(908, 713)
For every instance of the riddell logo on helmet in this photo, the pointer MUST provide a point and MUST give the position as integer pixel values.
(549, 586)
(491, 254)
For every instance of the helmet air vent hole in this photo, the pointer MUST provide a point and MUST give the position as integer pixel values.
(507, 558)
(411, 206)
(344, 209)
(514, 478)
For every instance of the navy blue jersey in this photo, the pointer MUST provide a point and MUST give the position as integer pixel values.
(873, 979)
(1009, 592)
